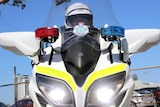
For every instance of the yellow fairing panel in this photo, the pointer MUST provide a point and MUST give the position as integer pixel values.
(57, 74)
(91, 78)
(103, 73)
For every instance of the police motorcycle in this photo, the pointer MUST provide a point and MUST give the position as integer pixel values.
(81, 57)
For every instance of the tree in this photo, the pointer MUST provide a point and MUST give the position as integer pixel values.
(18, 3)
(3, 1)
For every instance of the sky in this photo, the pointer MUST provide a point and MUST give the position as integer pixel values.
(132, 14)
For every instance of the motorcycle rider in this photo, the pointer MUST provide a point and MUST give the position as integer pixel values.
(78, 13)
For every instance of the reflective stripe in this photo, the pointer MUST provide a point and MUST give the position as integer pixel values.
(103, 73)
(57, 74)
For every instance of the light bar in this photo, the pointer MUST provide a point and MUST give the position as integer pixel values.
(112, 31)
(47, 32)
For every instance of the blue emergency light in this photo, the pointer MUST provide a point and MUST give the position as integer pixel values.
(112, 32)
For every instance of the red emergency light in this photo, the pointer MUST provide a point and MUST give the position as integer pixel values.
(47, 32)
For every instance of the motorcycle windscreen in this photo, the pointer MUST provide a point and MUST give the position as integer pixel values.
(102, 11)
(80, 55)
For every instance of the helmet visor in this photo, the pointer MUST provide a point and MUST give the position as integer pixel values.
(74, 20)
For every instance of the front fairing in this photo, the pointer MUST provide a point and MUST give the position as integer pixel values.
(58, 88)
(81, 53)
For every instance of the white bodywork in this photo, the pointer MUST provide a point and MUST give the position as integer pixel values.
(20, 43)
(140, 40)
(25, 43)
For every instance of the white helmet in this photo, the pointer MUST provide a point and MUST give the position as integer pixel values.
(76, 13)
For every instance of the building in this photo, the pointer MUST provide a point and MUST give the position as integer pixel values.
(22, 86)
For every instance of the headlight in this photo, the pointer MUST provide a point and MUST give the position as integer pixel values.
(57, 91)
(102, 91)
